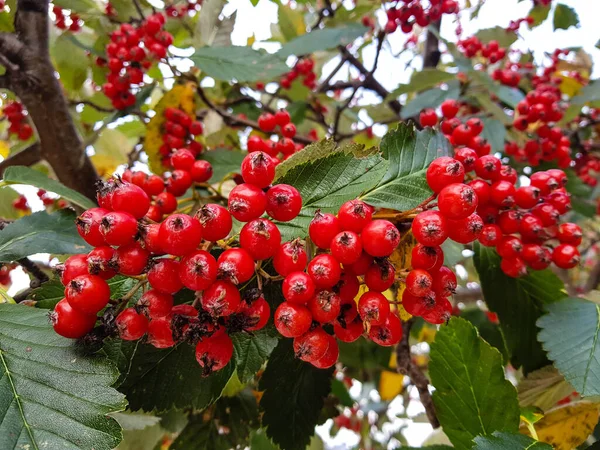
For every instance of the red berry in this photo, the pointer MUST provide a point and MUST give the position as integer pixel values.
(566, 256)
(439, 313)
(380, 238)
(427, 258)
(131, 324)
(256, 314)
(198, 270)
(69, 322)
(182, 159)
(546, 213)
(444, 171)
(201, 171)
(214, 352)
(419, 282)
(235, 265)
(488, 167)
(491, 235)
(312, 345)
(196, 128)
(101, 262)
(323, 228)
(331, 355)
(513, 267)
(88, 294)
(527, 197)
(221, 299)
(325, 306)
(150, 238)
(88, 226)
(179, 182)
(153, 185)
(160, 334)
(348, 287)
(179, 234)
(449, 108)
(215, 221)
(155, 304)
(292, 320)
(457, 201)
(324, 270)
(282, 117)
(361, 266)
(284, 202)
(298, 287)
(289, 131)
(247, 202)
(290, 257)
(502, 194)
(387, 334)
(569, 233)
(258, 169)
(428, 118)
(131, 259)
(509, 247)
(166, 202)
(118, 228)
(462, 135)
(346, 247)
(267, 122)
(536, 256)
(531, 227)
(354, 215)
(465, 230)
(467, 157)
(374, 308)
(164, 276)
(544, 182)
(380, 276)
(430, 228)
(444, 282)
(261, 238)
(348, 332)
(130, 198)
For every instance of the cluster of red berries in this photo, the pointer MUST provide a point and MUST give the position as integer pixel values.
(514, 25)
(507, 76)
(183, 9)
(180, 131)
(282, 148)
(325, 294)
(17, 117)
(21, 204)
(5, 270)
(413, 12)
(65, 19)
(303, 69)
(491, 51)
(130, 52)
(588, 169)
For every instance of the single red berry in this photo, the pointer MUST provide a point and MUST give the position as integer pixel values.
(128, 197)
(312, 345)
(465, 230)
(544, 182)
(444, 282)
(565, 256)
(182, 159)
(179, 182)
(180, 234)
(131, 324)
(527, 197)
(570, 233)
(69, 322)
(387, 334)
(488, 167)
(298, 287)
(348, 332)
(380, 238)
(491, 235)
(221, 299)
(475, 125)
(235, 265)
(101, 262)
(290, 257)
(462, 134)
(155, 304)
(88, 294)
(256, 314)
(536, 256)
(439, 313)
(427, 258)
(346, 247)
(282, 117)
(131, 259)
(267, 122)
(428, 118)
(354, 215)
(258, 169)
(513, 267)
(430, 228)
(419, 282)
(331, 355)
(247, 202)
(380, 276)
(198, 270)
(531, 227)
(166, 202)
(201, 171)
(444, 171)
(361, 266)
(164, 276)
(215, 221)
(325, 306)
(457, 201)
(502, 194)
(118, 228)
(292, 320)
(150, 238)
(509, 247)
(510, 221)
(449, 108)
(289, 131)
(374, 308)
(196, 128)
(284, 202)
(348, 287)
(261, 238)
(418, 305)
(160, 334)
(214, 352)
(546, 213)
(324, 270)
(88, 226)
(323, 228)
(153, 185)
(467, 157)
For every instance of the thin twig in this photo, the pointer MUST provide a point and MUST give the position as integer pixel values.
(38, 274)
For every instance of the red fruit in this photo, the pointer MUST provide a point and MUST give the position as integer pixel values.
(380, 276)
(491, 235)
(502, 194)
(258, 169)
(298, 287)
(419, 282)
(131, 259)
(88, 226)
(544, 182)
(482, 190)
(348, 332)
(290, 257)
(488, 167)
(267, 122)
(374, 308)
(331, 355)
(153, 185)
(198, 270)
(569, 233)
(101, 262)
(289, 131)
(430, 228)
(361, 266)
(247, 202)
(348, 287)
(155, 304)
(160, 334)
(439, 313)
(285, 146)
(166, 202)
(387, 334)
(510, 221)
(466, 230)
(449, 108)
(88, 294)
(475, 124)
(444, 171)
(354, 215)
(282, 117)
(527, 197)
(164, 276)
(509, 247)
(536, 256)
(323, 228)
(214, 352)
(324, 270)
(546, 213)
(118, 228)
(215, 221)
(179, 182)
(150, 238)
(566, 256)
(462, 134)
(312, 345)
(201, 171)
(255, 144)
(531, 227)
(256, 314)
(325, 306)
(513, 267)
(130, 198)
(69, 322)
(284, 202)
(467, 157)
(444, 282)
(221, 299)
(417, 306)
(131, 324)
(427, 258)
(380, 238)
(457, 201)
(261, 238)
(235, 265)
(179, 234)
(292, 320)
(428, 118)
(196, 128)
(182, 159)
(346, 247)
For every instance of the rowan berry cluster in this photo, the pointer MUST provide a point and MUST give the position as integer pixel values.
(491, 51)
(180, 131)
(514, 25)
(17, 118)
(285, 146)
(185, 8)
(303, 69)
(21, 204)
(414, 12)
(588, 169)
(66, 20)
(130, 52)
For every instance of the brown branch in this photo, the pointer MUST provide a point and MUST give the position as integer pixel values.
(39, 276)
(406, 366)
(431, 53)
(28, 157)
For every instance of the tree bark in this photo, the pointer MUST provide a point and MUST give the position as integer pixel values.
(431, 53)
(31, 76)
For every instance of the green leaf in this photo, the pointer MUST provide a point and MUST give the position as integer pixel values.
(364, 354)
(71, 62)
(340, 391)
(322, 39)
(519, 303)
(41, 233)
(409, 153)
(327, 177)
(505, 38)
(471, 396)
(565, 17)
(238, 63)
(294, 394)
(494, 132)
(539, 13)
(431, 98)
(589, 93)
(250, 351)
(487, 330)
(509, 441)
(424, 79)
(7, 196)
(291, 22)
(223, 161)
(570, 334)
(52, 395)
(159, 380)
(25, 175)
(78, 6)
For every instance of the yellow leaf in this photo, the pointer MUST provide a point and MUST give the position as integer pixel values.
(250, 41)
(401, 258)
(427, 334)
(402, 313)
(566, 427)
(105, 165)
(568, 85)
(390, 385)
(543, 388)
(4, 149)
(182, 96)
